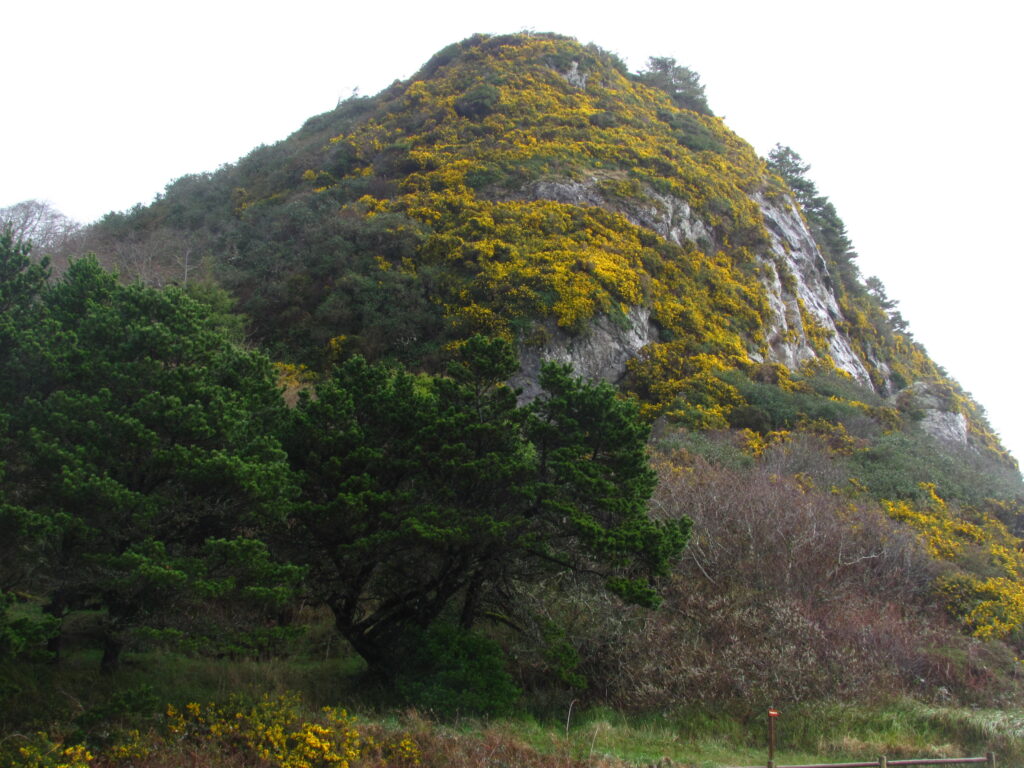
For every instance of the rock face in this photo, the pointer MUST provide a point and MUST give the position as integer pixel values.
(939, 416)
(574, 77)
(599, 353)
(796, 281)
(802, 292)
(946, 425)
(669, 216)
(803, 306)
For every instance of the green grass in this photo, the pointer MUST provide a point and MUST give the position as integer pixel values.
(812, 733)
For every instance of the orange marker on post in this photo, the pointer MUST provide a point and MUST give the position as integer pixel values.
(772, 714)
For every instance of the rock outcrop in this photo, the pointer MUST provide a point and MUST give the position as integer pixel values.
(804, 309)
(601, 352)
(801, 292)
(796, 282)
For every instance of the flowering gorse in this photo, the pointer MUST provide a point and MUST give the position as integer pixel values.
(273, 731)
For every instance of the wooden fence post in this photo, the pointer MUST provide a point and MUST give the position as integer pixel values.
(773, 713)
(883, 762)
(990, 759)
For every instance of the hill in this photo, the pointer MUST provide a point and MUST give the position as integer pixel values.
(853, 521)
(529, 187)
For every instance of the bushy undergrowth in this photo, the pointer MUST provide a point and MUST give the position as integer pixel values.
(790, 590)
(287, 731)
(897, 463)
(451, 671)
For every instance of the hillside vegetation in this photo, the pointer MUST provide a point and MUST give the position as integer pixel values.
(285, 437)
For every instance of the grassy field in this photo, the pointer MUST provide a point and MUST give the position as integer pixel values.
(165, 710)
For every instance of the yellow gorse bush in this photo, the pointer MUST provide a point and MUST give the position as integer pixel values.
(944, 533)
(990, 606)
(274, 731)
(41, 751)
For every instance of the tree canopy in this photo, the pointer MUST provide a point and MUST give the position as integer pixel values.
(681, 83)
(437, 498)
(829, 230)
(139, 452)
(145, 459)
(38, 223)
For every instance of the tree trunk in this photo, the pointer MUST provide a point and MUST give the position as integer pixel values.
(57, 607)
(53, 648)
(111, 654)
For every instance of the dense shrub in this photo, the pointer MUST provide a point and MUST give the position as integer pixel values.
(896, 464)
(479, 101)
(771, 407)
(451, 671)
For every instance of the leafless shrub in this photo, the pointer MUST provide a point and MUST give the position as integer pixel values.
(40, 223)
(781, 535)
(786, 592)
(161, 256)
(805, 454)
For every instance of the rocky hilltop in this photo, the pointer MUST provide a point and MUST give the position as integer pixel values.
(531, 187)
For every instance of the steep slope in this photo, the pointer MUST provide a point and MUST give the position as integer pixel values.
(530, 187)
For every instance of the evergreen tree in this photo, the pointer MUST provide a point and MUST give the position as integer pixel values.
(828, 229)
(140, 462)
(22, 531)
(429, 499)
(682, 84)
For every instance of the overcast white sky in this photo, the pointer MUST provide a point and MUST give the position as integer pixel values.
(909, 113)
